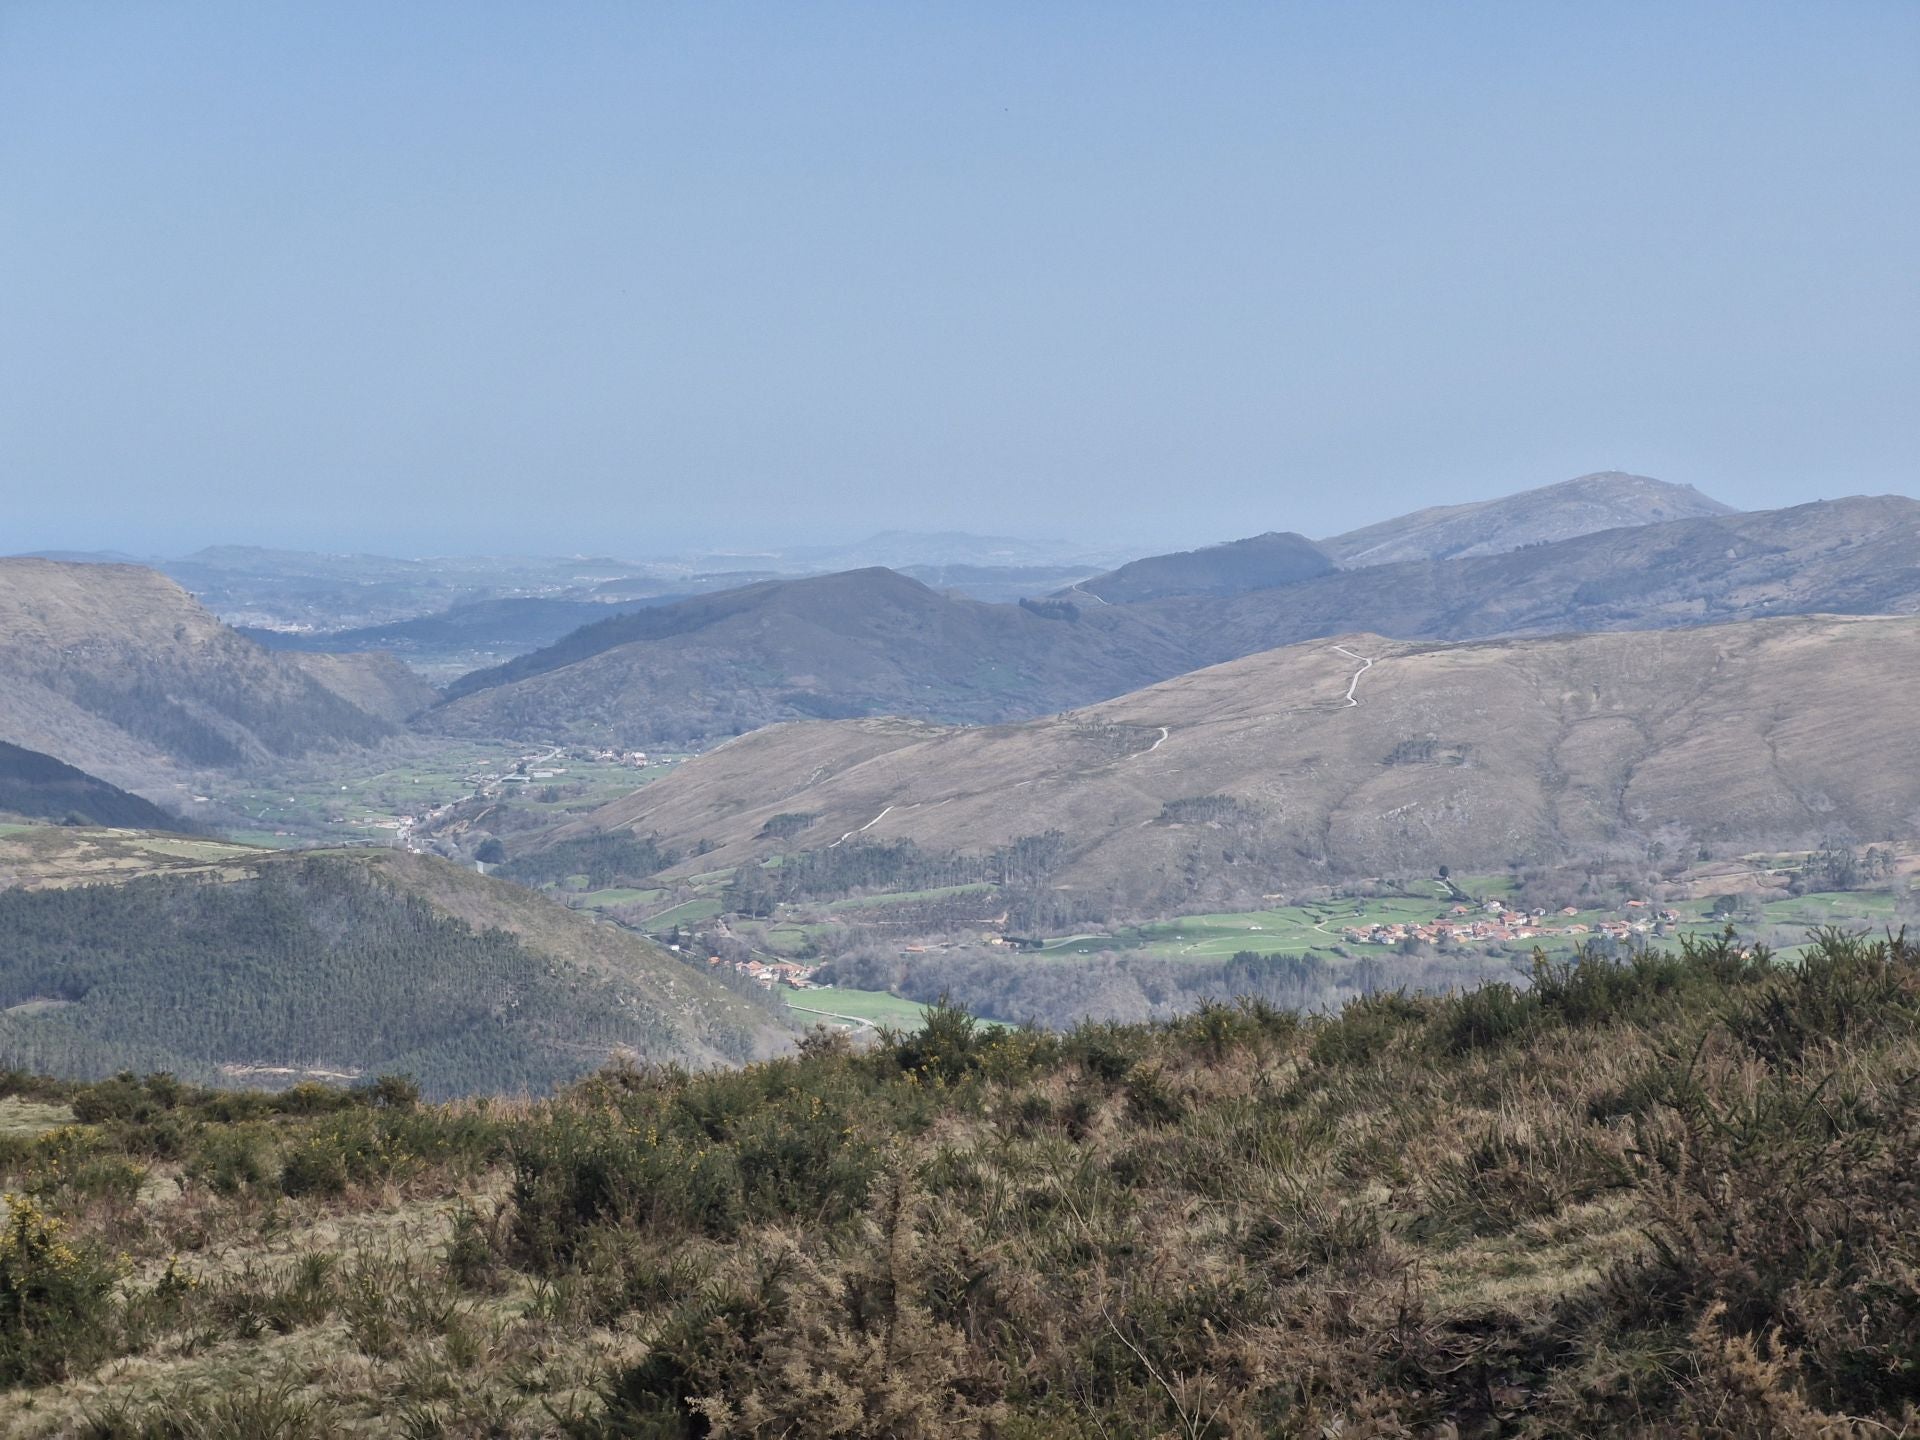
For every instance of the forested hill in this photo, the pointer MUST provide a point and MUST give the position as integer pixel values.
(341, 965)
(40, 787)
(1257, 563)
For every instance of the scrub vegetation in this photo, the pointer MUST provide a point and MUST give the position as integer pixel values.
(1671, 1195)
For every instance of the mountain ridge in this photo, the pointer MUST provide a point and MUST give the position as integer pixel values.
(1604, 500)
(1358, 755)
(873, 642)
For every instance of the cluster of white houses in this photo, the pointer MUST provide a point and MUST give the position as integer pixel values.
(769, 973)
(1495, 922)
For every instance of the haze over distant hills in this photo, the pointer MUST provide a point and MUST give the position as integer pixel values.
(1606, 500)
(1258, 563)
(1362, 756)
(870, 642)
(468, 637)
(311, 593)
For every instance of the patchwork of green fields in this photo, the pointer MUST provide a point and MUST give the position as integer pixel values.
(348, 805)
(1297, 929)
(686, 913)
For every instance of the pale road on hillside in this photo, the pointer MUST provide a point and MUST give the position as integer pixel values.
(1366, 664)
(862, 830)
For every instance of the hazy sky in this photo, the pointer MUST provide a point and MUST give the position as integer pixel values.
(627, 277)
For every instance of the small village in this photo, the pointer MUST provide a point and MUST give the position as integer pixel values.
(769, 973)
(1494, 922)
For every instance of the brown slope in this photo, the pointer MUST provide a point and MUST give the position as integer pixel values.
(116, 669)
(1582, 506)
(1469, 755)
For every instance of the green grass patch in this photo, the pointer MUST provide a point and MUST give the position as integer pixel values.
(877, 1007)
(22, 1118)
(687, 913)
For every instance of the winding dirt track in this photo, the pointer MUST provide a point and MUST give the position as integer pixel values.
(1366, 664)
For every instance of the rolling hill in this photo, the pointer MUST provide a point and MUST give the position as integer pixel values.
(1604, 501)
(40, 787)
(349, 963)
(1258, 563)
(1310, 763)
(118, 670)
(872, 642)
(1857, 556)
(861, 642)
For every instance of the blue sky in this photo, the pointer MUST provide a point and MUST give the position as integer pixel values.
(632, 277)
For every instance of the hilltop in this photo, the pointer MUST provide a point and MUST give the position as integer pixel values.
(1852, 556)
(40, 787)
(856, 643)
(284, 966)
(1607, 500)
(1258, 563)
(117, 669)
(1357, 757)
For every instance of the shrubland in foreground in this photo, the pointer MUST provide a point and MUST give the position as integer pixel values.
(1676, 1195)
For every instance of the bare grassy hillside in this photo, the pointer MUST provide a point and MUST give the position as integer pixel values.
(1310, 762)
(116, 669)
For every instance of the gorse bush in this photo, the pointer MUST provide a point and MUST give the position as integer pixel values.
(54, 1314)
(1669, 1194)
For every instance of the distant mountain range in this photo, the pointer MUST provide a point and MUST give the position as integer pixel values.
(1358, 756)
(872, 642)
(467, 637)
(1608, 500)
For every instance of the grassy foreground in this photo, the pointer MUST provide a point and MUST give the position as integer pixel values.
(1676, 1196)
